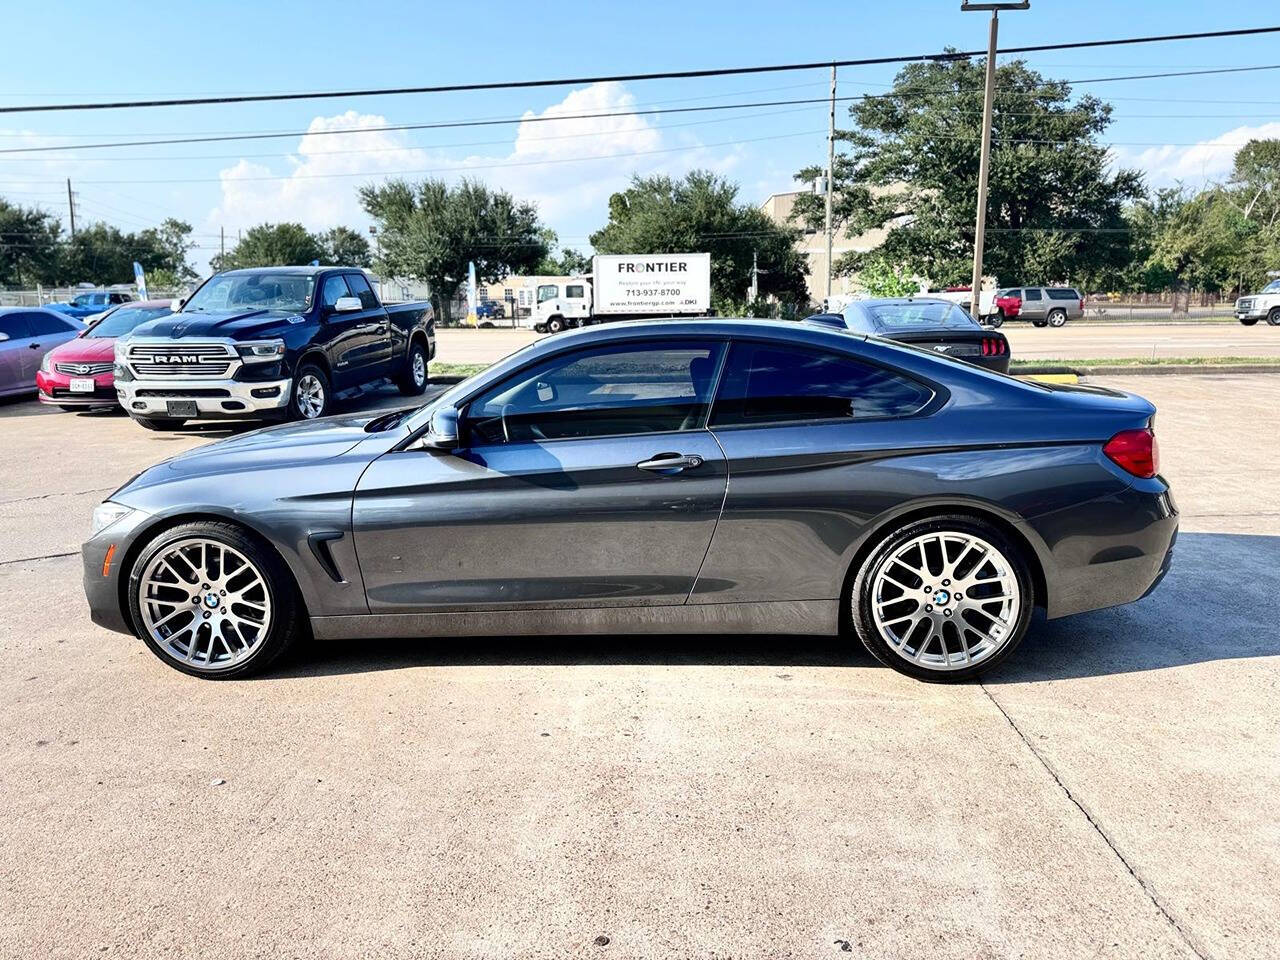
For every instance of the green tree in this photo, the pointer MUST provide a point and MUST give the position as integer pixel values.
(29, 246)
(430, 231)
(1256, 174)
(882, 279)
(1055, 213)
(1203, 240)
(344, 247)
(272, 245)
(101, 254)
(163, 250)
(569, 262)
(698, 214)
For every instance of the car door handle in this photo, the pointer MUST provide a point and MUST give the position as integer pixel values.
(670, 463)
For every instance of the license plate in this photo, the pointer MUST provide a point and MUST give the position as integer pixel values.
(959, 350)
(82, 384)
(181, 408)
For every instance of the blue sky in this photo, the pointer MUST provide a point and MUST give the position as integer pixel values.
(1175, 128)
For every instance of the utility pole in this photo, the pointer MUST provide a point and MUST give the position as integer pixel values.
(755, 277)
(71, 206)
(831, 159)
(984, 163)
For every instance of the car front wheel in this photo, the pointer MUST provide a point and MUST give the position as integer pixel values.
(942, 599)
(212, 601)
(312, 396)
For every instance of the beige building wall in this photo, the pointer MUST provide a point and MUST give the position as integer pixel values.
(813, 244)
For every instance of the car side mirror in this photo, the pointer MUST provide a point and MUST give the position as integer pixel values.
(442, 432)
(347, 305)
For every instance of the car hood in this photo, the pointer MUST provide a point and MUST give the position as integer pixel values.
(243, 324)
(85, 349)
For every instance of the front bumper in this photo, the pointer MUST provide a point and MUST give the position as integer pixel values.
(214, 399)
(55, 388)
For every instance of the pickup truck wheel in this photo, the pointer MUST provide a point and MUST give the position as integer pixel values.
(413, 379)
(311, 393)
(1273, 317)
(157, 423)
(1057, 318)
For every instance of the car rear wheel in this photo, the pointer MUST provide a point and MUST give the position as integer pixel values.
(413, 379)
(1057, 318)
(1273, 317)
(211, 601)
(942, 599)
(312, 396)
(158, 423)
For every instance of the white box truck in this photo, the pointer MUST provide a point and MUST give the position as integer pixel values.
(625, 287)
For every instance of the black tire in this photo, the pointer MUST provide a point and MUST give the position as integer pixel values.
(1248, 321)
(555, 325)
(412, 380)
(540, 328)
(859, 598)
(158, 423)
(288, 616)
(304, 402)
(996, 320)
(1057, 318)
(1273, 317)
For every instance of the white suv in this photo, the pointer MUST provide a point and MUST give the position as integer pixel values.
(1265, 303)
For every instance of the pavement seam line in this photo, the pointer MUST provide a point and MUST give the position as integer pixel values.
(47, 496)
(1097, 828)
(47, 556)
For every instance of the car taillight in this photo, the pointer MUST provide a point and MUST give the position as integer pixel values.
(994, 346)
(1135, 451)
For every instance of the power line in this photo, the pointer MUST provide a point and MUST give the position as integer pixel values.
(504, 121)
(620, 78)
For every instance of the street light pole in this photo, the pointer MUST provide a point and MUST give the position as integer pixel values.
(984, 163)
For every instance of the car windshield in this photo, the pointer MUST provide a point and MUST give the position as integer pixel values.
(919, 315)
(1011, 292)
(1272, 287)
(257, 291)
(119, 322)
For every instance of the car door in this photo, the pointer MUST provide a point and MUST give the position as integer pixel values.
(805, 432)
(13, 351)
(585, 479)
(346, 335)
(377, 326)
(1033, 304)
(47, 330)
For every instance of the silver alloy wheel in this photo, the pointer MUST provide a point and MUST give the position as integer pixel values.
(204, 603)
(310, 398)
(1057, 318)
(419, 369)
(946, 601)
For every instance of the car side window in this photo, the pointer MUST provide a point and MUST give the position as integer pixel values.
(615, 390)
(573, 291)
(334, 288)
(1031, 293)
(15, 326)
(360, 288)
(548, 291)
(767, 383)
(45, 324)
(1063, 293)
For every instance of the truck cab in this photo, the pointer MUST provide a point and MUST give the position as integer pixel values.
(559, 305)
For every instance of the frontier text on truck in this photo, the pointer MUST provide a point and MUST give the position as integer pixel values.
(625, 287)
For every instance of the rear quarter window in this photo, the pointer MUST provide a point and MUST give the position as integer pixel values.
(1062, 293)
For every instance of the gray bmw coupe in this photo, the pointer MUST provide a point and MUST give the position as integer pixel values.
(722, 476)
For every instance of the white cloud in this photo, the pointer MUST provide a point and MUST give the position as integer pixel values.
(1206, 160)
(542, 165)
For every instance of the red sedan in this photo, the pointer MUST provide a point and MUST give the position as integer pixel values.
(78, 373)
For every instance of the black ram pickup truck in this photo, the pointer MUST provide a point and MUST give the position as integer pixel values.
(271, 343)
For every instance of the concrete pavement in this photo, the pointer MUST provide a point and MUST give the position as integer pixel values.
(1111, 791)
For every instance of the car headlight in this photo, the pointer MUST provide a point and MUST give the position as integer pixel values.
(105, 514)
(46, 363)
(261, 352)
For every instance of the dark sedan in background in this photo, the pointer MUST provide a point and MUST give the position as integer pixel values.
(929, 323)
(714, 476)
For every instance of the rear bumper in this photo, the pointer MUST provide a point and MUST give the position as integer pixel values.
(1109, 551)
(214, 399)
